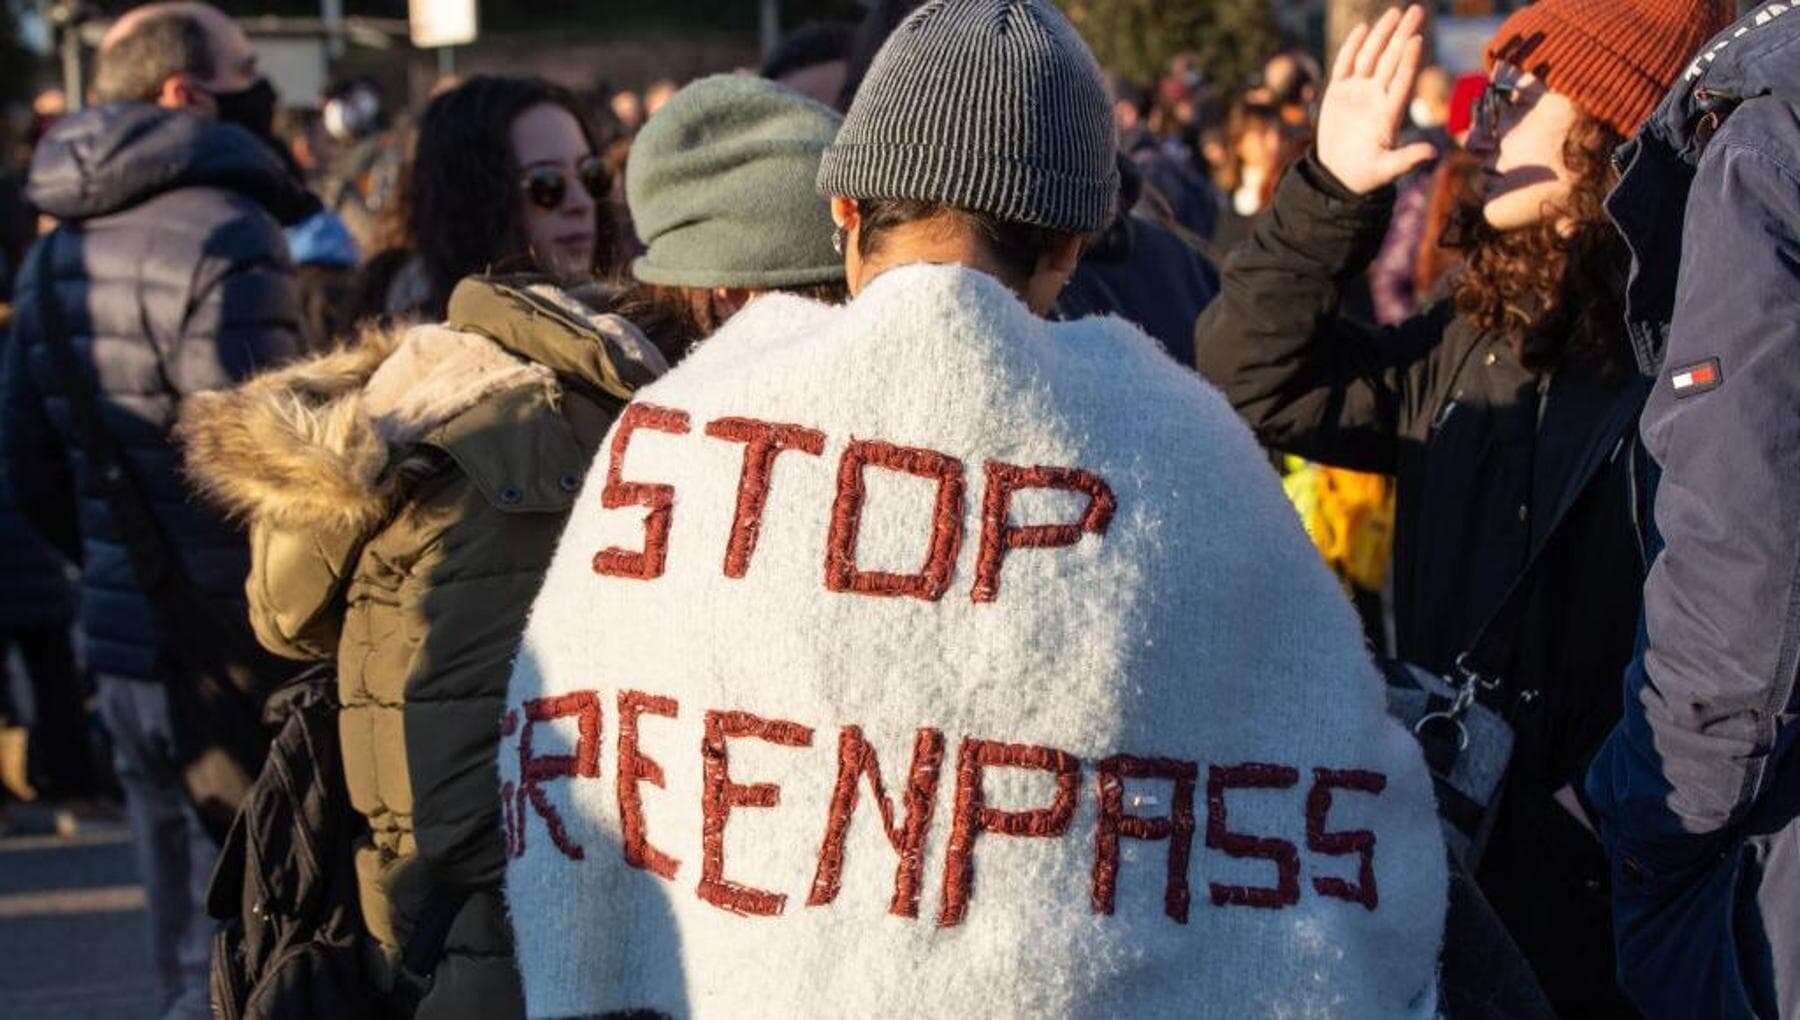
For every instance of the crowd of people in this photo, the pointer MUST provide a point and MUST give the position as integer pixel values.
(416, 487)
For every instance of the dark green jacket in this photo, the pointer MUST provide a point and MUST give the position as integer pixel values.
(405, 496)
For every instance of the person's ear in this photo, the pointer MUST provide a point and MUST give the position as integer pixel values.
(848, 240)
(179, 93)
(728, 301)
(844, 212)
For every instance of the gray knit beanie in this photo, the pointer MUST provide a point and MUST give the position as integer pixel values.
(718, 188)
(991, 105)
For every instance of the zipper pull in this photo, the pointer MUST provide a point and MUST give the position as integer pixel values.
(1443, 415)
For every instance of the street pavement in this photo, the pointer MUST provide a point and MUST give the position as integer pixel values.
(72, 936)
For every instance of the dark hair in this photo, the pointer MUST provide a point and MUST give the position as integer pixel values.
(135, 66)
(464, 214)
(812, 44)
(673, 318)
(1016, 246)
(1559, 296)
(1247, 115)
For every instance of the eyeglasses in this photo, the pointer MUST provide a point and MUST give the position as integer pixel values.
(1498, 98)
(546, 186)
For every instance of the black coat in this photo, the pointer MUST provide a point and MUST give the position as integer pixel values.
(172, 274)
(1483, 452)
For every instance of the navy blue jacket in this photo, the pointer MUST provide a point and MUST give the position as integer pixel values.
(171, 271)
(1698, 788)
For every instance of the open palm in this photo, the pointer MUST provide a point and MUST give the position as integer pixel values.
(1359, 117)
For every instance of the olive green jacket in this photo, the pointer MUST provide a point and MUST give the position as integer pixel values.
(404, 497)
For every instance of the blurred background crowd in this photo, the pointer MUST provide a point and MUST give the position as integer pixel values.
(1213, 98)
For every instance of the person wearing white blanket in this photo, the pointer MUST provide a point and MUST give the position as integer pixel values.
(922, 657)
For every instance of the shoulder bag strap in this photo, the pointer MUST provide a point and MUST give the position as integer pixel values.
(1484, 663)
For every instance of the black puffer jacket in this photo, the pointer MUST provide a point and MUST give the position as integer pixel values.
(172, 273)
(1484, 453)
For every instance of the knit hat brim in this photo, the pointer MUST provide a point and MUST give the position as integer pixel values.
(1012, 190)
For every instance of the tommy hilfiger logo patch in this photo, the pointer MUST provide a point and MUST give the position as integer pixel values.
(1699, 377)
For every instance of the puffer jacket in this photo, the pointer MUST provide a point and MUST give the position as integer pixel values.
(1697, 791)
(404, 497)
(171, 272)
(1485, 455)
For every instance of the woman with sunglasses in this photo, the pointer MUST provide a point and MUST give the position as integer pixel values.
(505, 177)
(1503, 410)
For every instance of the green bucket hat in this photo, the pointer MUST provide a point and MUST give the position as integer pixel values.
(720, 185)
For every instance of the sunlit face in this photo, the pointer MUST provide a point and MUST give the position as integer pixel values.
(547, 137)
(1519, 133)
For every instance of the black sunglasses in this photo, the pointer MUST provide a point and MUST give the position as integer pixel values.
(1496, 98)
(547, 186)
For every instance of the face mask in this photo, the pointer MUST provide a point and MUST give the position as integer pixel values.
(252, 107)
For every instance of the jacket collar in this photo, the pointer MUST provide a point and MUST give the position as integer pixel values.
(550, 326)
(1754, 57)
(110, 158)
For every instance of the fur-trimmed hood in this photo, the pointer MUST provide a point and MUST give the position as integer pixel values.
(319, 443)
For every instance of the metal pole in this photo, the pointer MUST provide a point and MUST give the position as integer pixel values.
(446, 61)
(73, 91)
(771, 26)
(332, 13)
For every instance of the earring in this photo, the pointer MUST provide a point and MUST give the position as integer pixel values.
(839, 238)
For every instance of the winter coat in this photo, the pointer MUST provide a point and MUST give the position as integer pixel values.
(1696, 789)
(404, 497)
(1483, 452)
(1148, 274)
(173, 276)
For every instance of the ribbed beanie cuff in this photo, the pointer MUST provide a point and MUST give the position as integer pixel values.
(1614, 58)
(991, 105)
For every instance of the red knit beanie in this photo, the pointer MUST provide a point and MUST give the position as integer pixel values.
(1614, 58)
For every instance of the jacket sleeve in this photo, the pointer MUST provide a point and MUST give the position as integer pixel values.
(32, 457)
(1309, 380)
(295, 589)
(244, 315)
(1708, 711)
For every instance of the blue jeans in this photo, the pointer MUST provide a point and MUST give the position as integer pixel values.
(174, 854)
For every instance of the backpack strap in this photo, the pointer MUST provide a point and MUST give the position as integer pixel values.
(419, 960)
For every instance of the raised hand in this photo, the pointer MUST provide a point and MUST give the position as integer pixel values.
(1371, 84)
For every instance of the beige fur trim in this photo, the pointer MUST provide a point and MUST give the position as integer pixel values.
(309, 445)
(437, 373)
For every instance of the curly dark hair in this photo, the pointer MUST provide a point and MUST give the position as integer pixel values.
(464, 214)
(1557, 292)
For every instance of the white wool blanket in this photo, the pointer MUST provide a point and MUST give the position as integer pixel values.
(920, 657)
